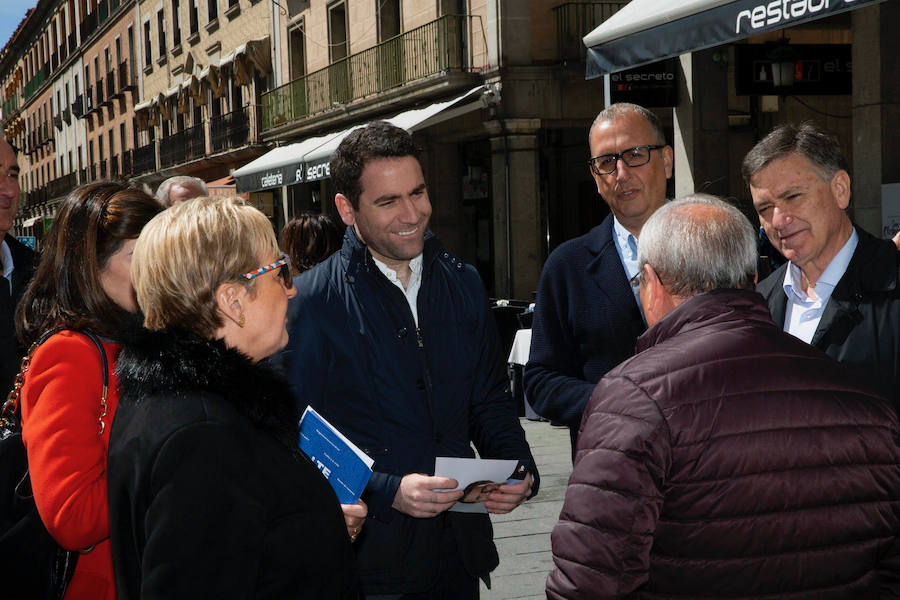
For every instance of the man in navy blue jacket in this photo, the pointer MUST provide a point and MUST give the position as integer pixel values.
(391, 340)
(587, 317)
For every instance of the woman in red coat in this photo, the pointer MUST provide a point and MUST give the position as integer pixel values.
(82, 282)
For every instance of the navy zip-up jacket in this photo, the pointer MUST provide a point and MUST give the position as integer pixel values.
(405, 395)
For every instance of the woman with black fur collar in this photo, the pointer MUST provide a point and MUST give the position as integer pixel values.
(209, 494)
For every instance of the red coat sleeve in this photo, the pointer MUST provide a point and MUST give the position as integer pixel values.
(60, 427)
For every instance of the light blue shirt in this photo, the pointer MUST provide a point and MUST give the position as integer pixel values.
(802, 313)
(626, 246)
(6, 257)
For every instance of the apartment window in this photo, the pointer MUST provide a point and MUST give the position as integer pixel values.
(147, 45)
(195, 17)
(451, 7)
(161, 30)
(212, 7)
(232, 3)
(176, 24)
(109, 65)
(119, 57)
(388, 19)
(296, 42)
(337, 31)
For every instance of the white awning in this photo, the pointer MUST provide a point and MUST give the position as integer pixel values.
(31, 221)
(142, 105)
(645, 31)
(308, 160)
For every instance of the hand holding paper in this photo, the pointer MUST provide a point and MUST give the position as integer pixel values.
(508, 496)
(418, 495)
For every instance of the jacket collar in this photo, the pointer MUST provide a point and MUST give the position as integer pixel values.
(180, 363)
(357, 257)
(718, 306)
(872, 269)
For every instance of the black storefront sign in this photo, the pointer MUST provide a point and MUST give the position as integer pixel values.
(711, 27)
(270, 178)
(317, 169)
(653, 86)
(819, 69)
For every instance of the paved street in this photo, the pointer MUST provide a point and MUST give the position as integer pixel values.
(523, 536)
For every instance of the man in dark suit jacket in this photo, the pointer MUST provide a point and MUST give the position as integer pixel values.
(839, 291)
(587, 317)
(17, 267)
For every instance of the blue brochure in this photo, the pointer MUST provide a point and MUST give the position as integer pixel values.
(346, 467)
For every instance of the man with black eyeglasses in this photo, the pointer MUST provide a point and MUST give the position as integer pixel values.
(587, 317)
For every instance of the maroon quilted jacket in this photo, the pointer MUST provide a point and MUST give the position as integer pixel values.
(730, 460)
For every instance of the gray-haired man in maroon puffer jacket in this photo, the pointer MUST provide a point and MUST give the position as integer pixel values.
(727, 459)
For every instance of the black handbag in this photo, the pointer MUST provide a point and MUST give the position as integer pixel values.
(32, 564)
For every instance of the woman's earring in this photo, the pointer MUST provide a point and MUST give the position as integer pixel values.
(242, 320)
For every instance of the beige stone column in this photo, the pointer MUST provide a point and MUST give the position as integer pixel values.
(515, 178)
(876, 109)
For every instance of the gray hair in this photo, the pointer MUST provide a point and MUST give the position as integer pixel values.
(807, 139)
(623, 109)
(699, 243)
(185, 181)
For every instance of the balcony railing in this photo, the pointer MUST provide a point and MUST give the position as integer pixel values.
(439, 46)
(182, 146)
(61, 186)
(78, 106)
(111, 85)
(88, 25)
(126, 78)
(145, 159)
(103, 169)
(574, 20)
(113, 167)
(127, 169)
(93, 173)
(83, 176)
(230, 131)
(99, 101)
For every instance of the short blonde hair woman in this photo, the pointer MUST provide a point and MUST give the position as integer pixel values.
(209, 495)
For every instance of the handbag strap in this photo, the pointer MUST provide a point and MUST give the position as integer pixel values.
(7, 413)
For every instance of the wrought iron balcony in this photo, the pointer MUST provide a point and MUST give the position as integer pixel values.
(230, 131)
(111, 86)
(88, 25)
(103, 169)
(440, 46)
(61, 186)
(182, 146)
(126, 77)
(127, 169)
(78, 106)
(574, 20)
(145, 159)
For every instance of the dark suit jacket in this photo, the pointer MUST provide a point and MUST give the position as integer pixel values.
(586, 322)
(10, 351)
(860, 325)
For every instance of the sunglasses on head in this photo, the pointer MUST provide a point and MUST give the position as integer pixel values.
(283, 265)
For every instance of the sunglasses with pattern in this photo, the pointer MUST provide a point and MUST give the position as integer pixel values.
(283, 265)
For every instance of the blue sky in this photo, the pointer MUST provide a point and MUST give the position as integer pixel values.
(11, 13)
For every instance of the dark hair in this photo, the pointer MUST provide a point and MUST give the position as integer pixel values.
(378, 139)
(90, 226)
(309, 239)
(807, 139)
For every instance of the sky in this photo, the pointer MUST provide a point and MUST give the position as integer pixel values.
(11, 14)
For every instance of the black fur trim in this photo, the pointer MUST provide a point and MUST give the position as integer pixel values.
(179, 363)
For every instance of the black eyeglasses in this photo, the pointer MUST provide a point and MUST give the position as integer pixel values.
(283, 265)
(635, 282)
(633, 157)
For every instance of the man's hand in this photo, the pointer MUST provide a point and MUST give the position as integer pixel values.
(507, 497)
(354, 517)
(416, 496)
